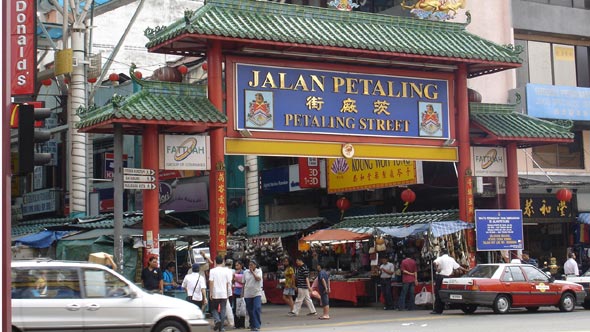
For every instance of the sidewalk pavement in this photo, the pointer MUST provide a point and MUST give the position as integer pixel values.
(275, 316)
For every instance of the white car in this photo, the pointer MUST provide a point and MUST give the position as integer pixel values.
(583, 280)
(79, 296)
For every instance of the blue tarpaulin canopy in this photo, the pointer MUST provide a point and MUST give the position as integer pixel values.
(584, 218)
(438, 228)
(43, 239)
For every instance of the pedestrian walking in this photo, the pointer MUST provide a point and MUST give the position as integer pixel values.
(444, 267)
(196, 287)
(570, 268)
(386, 270)
(324, 290)
(219, 285)
(239, 321)
(409, 270)
(253, 294)
(289, 285)
(303, 289)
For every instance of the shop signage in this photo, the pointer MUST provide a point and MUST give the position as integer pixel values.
(185, 152)
(221, 211)
(109, 164)
(41, 201)
(275, 180)
(181, 195)
(358, 174)
(309, 173)
(499, 230)
(298, 100)
(488, 161)
(558, 102)
(22, 45)
(546, 208)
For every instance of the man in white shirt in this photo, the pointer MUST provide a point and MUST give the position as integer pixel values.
(196, 287)
(219, 286)
(386, 271)
(444, 267)
(570, 268)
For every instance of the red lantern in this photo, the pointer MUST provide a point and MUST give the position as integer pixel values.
(92, 80)
(408, 196)
(343, 203)
(46, 82)
(183, 69)
(138, 74)
(204, 66)
(114, 77)
(564, 195)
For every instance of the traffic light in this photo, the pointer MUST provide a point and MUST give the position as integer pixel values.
(30, 117)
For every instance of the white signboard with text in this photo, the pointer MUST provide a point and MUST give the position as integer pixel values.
(185, 152)
(488, 161)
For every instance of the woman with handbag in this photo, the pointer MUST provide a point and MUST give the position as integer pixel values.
(240, 315)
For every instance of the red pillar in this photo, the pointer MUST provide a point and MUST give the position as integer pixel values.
(512, 191)
(464, 171)
(151, 199)
(217, 187)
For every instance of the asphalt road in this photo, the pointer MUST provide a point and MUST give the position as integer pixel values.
(375, 319)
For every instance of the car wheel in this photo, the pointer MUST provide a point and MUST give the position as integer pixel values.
(468, 308)
(169, 326)
(501, 304)
(567, 302)
(532, 309)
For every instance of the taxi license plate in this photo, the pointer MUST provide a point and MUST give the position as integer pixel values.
(456, 297)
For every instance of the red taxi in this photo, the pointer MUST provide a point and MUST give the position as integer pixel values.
(505, 286)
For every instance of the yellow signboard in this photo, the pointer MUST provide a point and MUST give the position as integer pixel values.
(64, 61)
(357, 174)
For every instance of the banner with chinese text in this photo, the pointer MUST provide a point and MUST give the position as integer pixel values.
(357, 174)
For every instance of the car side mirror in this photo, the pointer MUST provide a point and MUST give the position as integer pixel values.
(551, 278)
(133, 294)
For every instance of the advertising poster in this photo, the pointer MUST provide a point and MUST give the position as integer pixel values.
(358, 174)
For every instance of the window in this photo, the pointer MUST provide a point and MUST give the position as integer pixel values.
(513, 273)
(100, 283)
(562, 156)
(33, 283)
(534, 274)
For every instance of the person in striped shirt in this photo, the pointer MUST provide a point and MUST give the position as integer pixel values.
(303, 289)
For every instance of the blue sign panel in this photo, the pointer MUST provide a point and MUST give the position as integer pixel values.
(558, 102)
(275, 180)
(344, 103)
(498, 229)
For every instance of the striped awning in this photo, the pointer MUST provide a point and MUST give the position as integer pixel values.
(584, 218)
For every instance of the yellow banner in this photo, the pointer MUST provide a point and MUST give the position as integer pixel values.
(357, 174)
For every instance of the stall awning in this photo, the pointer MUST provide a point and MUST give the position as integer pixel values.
(335, 235)
(43, 239)
(584, 218)
(437, 229)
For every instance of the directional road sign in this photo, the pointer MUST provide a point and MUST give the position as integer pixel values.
(138, 171)
(139, 178)
(139, 185)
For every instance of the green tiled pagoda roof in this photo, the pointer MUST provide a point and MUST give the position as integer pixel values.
(397, 219)
(35, 226)
(266, 22)
(157, 101)
(290, 226)
(504, 122)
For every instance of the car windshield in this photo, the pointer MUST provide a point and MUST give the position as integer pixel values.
(482, 271)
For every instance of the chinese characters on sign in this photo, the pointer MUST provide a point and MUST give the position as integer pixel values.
(356, 174)
(341, 103)
(545, 208)
(221, 212)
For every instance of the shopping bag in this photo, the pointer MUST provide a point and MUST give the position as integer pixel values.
(424, 297)
(240, 307)
(263, 297)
